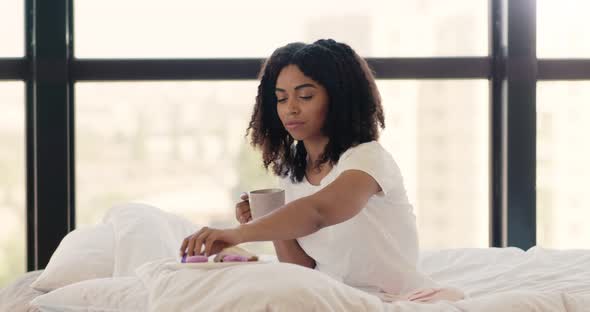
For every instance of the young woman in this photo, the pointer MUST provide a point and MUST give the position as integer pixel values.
(317, 119)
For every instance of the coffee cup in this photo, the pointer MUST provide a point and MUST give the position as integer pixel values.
(264, 201)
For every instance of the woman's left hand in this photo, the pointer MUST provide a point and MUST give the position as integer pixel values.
(214, 240)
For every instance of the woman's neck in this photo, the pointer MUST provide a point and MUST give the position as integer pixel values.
(315, 148)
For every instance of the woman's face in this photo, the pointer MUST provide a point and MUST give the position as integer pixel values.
(302, 104)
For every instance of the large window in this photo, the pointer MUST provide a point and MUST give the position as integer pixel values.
(438, 131)
(563, 150)
(563, 29)
(12, 150)
(163, 92)
(12, 34)
(12, 181)
(187, 28)
(181, 146)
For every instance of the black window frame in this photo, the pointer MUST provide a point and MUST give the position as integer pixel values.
(50, 70)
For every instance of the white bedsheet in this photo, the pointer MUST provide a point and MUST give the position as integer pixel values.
(281, 287)
(491, 270)
(496, 279)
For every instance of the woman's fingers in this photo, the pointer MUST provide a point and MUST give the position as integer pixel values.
(191, 245)
(209, 240)
(201, 238)
(188, 244)
(245, 217)
(183, 246)
(242, 211)
(242, 208)
(244, 196)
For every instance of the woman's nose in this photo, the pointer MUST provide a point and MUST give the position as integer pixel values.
(292, 106)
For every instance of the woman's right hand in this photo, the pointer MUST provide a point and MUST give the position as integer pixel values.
(243, 214)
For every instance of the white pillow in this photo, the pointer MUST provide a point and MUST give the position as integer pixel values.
(85, 253)
(104, 294)
(145, 233)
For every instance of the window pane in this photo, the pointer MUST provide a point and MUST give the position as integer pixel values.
(187, 28)
(12, 31)
(438, 131)
(180, 146)
(177, 145)
(563, 150)
(562, 29)
(12, 182)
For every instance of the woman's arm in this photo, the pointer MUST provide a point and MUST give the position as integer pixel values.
(289, 251)
(337, 202)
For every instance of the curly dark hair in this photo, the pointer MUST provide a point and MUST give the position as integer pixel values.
(354, 109)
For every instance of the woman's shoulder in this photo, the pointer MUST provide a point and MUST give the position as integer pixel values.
(372, 158)
(370, 155)
(369, 149)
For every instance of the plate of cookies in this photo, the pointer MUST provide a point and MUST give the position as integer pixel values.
(231, 256)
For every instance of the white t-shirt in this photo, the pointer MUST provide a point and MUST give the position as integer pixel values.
(377, 249)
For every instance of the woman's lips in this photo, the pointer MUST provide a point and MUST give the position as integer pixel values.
(294, 125)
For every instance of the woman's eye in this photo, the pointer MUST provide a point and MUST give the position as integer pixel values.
(281, 100)
(306, 97)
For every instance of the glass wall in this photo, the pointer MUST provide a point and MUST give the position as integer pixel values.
(12, 181)
(563, 147)
(181, 146)
(217, 29)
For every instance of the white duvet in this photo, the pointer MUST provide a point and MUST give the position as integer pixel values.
(501, 279)
(285, 287)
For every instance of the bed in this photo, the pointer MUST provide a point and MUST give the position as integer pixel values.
(17, 295)
(121, 279)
